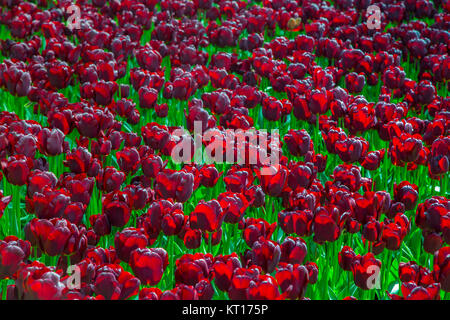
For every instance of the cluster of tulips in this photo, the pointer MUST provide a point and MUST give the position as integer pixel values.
(93, 205)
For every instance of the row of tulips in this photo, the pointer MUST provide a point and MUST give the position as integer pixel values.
(93, 205)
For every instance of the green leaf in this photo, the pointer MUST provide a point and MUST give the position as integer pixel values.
(353, 289)
(331, 294)
(394, 288)
(407, 251)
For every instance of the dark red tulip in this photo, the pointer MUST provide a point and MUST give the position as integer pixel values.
(114, 283)
(128, 160)
(266, 254)
(205, 290)
(272, 185)
(109, 179)
(138, 196)
(38, 180)
(16, 169)
(233, 205)
(346, 257)
(152, 165)
(207, 216)
(55, 236)
(192, 238)
(360, 117)
(313, 272)
(150, 294)
(432, 242)
(394, 77)
(405, 148)
(173, 222)
(241, 282)
(412, 291)
(162, 110)
(334, 135)
(236, 180)
(127, 240)
(13, 252)
(372, 160)
(300, 175)
(318, 101)
(363, 268)
(298, 222)
(59, 75)
(88, 124)
(442, 268)
(264, 287)
(407, 194)
(192, 268)
(355, 82)
(78, 160)
(393, 235)
(352, 149)
(147, 97)
(326, 224)
(254, 229)
(176, 185)
(148, 59)
(101, 224)
(293, 280)
(50, 142)
(223, 270)
(298, 142)
(293, 250)
(148, 264)
(410, 271)
(372, 230)
(50, 203)
(116, 208)
(255, 196)
(37, 282)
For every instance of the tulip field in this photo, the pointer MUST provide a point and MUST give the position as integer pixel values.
(313, 137)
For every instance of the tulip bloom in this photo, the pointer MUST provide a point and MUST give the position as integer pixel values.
(128, 240)
(148, 264)
(363, 268)
(207, 216)
(13, 252)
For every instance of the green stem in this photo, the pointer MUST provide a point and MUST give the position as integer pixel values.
(4, 288)
(387, 258)
(172, 262)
